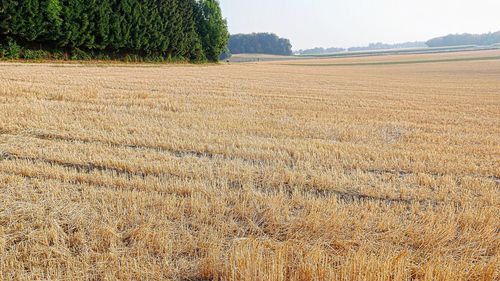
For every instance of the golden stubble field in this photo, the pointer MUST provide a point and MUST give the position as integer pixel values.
(268, 171)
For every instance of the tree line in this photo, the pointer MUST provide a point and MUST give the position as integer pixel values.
(188, 30)
(485, 39)
(320, 51)
(384, 46)
(259, 43)
(370, 47)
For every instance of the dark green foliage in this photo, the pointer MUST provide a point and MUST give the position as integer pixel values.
(212, 29)
(134, 30)
(59, 55)
(226, 54)
(53, 11)
(465, 39)
(259, 43)
(35, 54)
(12, 50)
(78, 54)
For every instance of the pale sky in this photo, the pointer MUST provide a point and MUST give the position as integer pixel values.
(347, 23)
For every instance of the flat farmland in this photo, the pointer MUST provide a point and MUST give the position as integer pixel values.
(284, 170)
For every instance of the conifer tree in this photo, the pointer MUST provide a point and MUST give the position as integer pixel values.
(179, 29)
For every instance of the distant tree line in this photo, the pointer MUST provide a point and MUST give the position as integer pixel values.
(320, 51)
(370, 47)
(465, 39)
(259, 43)
(384, 46)
(189, 30)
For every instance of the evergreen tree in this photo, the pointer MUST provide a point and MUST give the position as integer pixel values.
(103, 23)
(7, 8)
(180, 29)
(53, 10)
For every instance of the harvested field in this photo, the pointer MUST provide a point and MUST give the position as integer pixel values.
(261, 171)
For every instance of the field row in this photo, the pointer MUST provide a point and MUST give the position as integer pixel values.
(251, 171)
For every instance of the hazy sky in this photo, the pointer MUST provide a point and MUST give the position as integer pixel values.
(346, 23)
